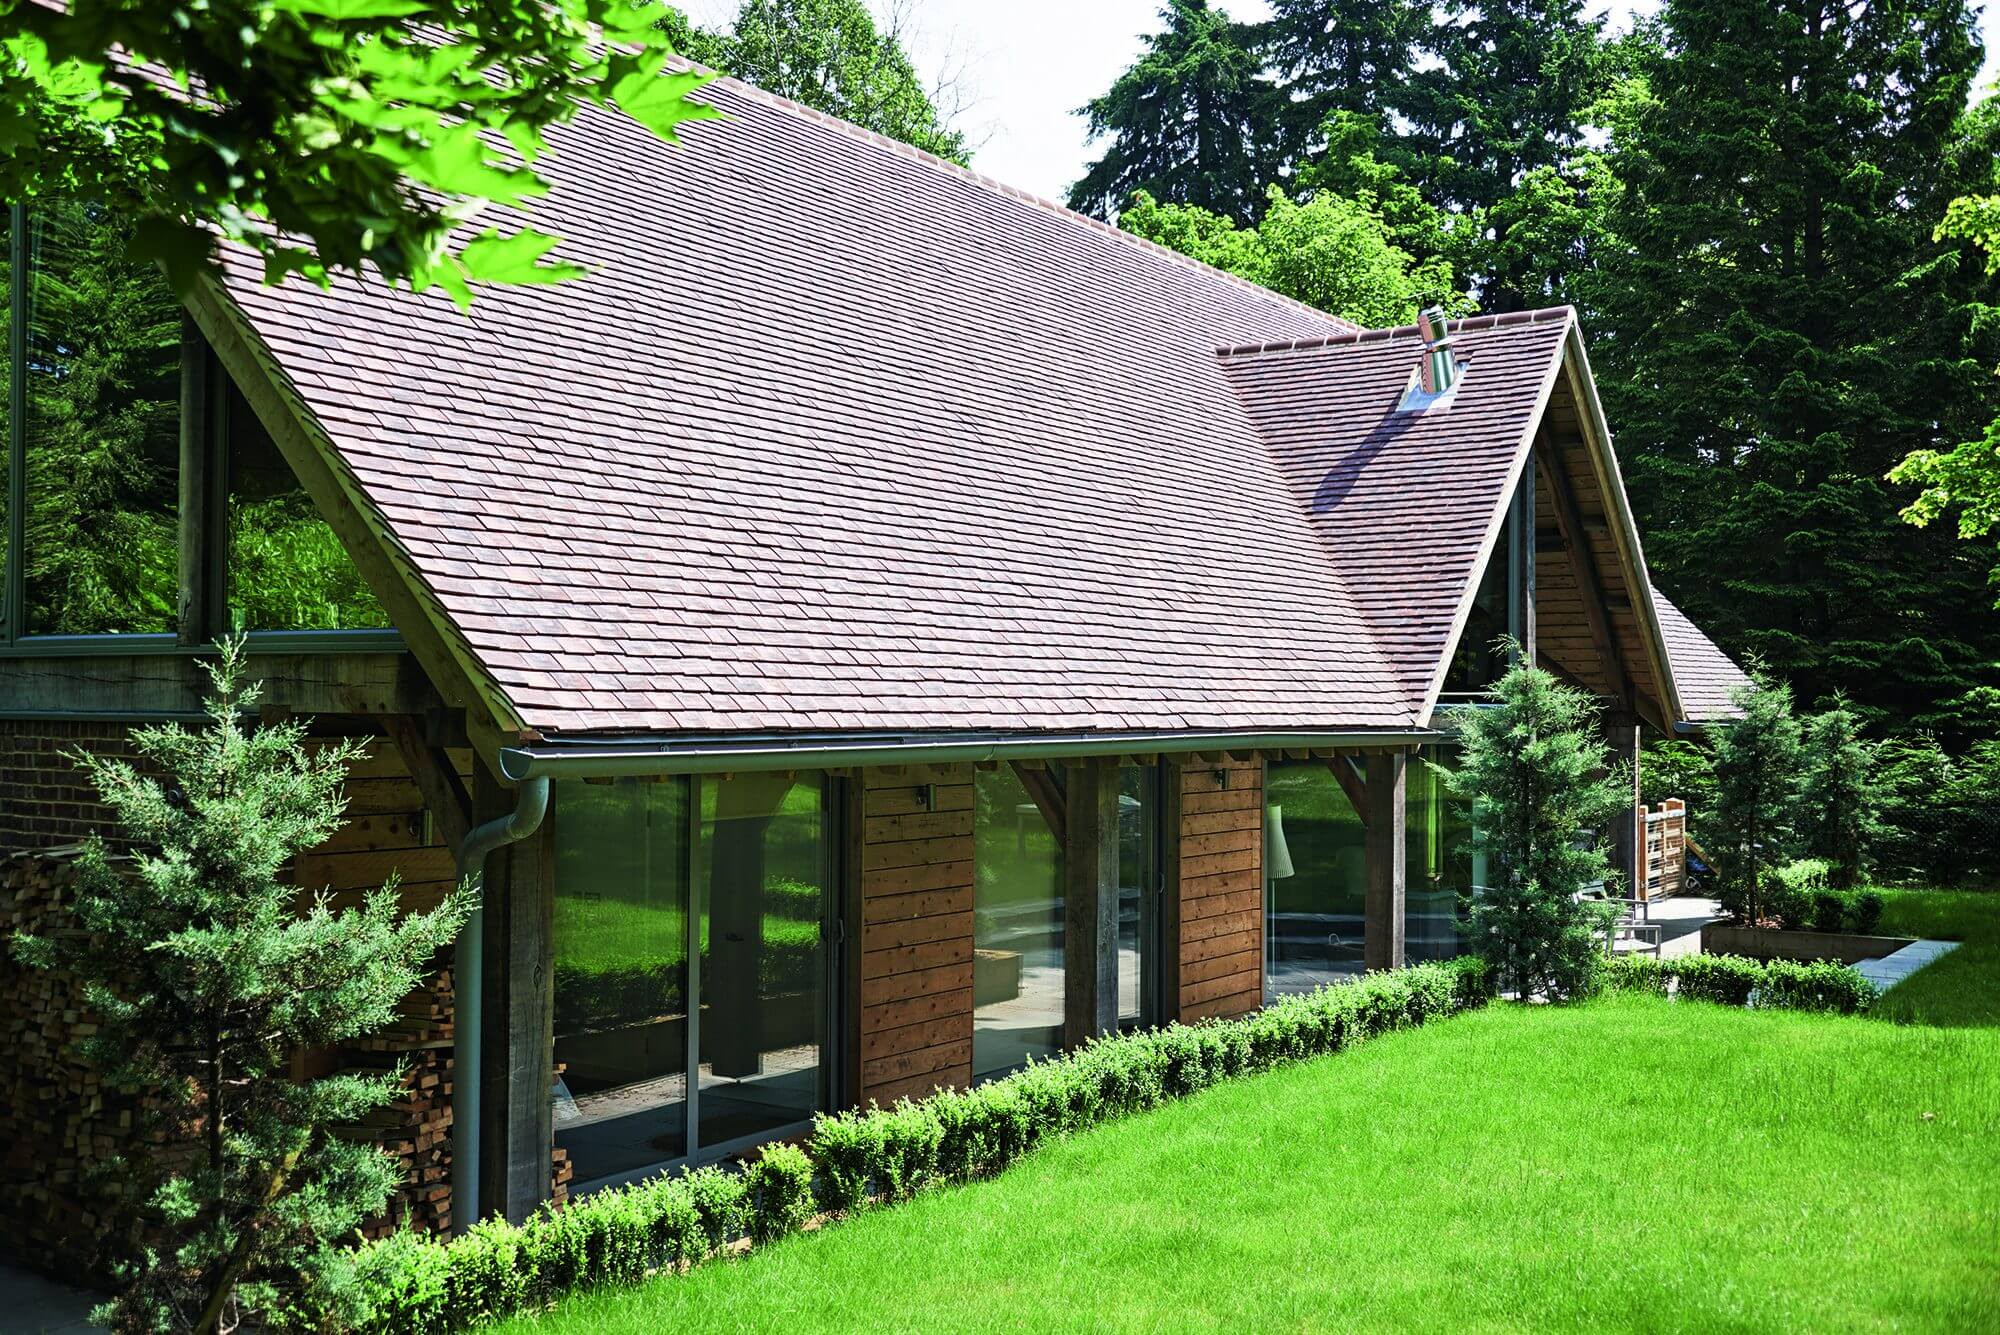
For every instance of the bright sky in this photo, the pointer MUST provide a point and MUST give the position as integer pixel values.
(1026, 65)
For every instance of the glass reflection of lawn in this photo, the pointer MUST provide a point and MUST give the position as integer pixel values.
(620, 912)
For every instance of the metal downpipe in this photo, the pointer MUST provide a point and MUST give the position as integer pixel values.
(531, 803)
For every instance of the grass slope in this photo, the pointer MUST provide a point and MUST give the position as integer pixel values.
(1963, 988)
(1631, 1162)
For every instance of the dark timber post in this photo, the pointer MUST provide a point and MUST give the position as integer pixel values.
(1627, 853)
(519, 1048)
(1385, 856)
(1090, 902)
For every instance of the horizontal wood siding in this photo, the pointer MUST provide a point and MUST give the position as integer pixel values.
(1220, 853)
(914, 860)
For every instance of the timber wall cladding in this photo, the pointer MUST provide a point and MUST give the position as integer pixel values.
(1221, 858)
(913, 857)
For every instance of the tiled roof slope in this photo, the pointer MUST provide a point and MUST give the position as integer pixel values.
(838, 437)
(1404, 502)
(1704, 674)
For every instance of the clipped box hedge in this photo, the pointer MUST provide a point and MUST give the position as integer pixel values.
(412, 1284)
(1733, 980)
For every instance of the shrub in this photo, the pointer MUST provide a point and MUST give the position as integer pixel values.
(779, 1189)
(1820, 986)
(719, 1204)
(1829, 911)
(484, 1277)
(1636, 973)
(1734, 981)
(1728, 979)
(847, 1146)
(1867, 910)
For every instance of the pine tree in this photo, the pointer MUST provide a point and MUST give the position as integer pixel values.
(1758, 761)
(1195, 121)
(1535, 768)
(208, 974)
(1335, 56)
(1778, 327)
(1841, 803)
(1504, 95)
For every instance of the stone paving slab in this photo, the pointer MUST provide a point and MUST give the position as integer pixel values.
(1892, 969)
(32, 1303)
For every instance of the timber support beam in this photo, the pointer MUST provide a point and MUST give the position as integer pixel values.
(1090, 902)
(1384, 859)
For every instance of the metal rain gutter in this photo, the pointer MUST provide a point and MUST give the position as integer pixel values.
(468, 981)
(641, 757)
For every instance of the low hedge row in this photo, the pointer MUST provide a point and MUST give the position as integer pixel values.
(411, 1284)
(1732, 980)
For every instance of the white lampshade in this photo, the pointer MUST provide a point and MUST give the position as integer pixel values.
(1277, 853)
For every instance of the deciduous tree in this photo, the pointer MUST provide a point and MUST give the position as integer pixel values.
(324, 134)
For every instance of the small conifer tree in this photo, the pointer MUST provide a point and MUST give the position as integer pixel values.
(208, 973)
(1759, 761)
(1840, 808)
(1541, 780)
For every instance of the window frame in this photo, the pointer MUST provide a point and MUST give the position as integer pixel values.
(203, 526)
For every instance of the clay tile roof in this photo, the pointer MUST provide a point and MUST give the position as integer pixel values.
(1404, 503)
(836, 436)
(1705, 676)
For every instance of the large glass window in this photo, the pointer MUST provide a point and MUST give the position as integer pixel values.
(1502, 603)
(1443, 862)
(621, 974)
(1138, 894)
(286, 569)
(636, 998)
(1017, 964)
(102, 432)
(1315, 870)
(763, 888)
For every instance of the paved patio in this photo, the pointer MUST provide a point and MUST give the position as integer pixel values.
(30, 1303)
(1890, 970)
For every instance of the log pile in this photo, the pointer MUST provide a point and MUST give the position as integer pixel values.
(60, 1124)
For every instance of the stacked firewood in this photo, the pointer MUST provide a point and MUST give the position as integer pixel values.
(60, 1123)
(416, 1128)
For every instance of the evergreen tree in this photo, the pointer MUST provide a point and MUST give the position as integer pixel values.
(1758, 760)
(1336, 56)
(1535, 767)
(207, 975)
(832, 56)
(1778, 327)
(1195, 121)
(1505, 93)
(1840, 807)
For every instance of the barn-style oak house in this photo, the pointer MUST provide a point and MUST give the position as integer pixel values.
(876, 628)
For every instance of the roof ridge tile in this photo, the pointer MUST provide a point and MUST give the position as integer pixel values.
(1470, 325)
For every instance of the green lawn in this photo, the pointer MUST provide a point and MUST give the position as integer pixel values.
(1963, 988)
(1629, 1163)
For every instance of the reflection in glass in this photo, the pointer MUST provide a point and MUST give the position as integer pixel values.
(1138, 883)
(1477, 662)
(763, 888)
(103, 429)
(621, 975)
(1315, 871)
(1017, 983)
(287, 570)
(6, 391)
(1443, 862)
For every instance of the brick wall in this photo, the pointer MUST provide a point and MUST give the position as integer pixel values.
(45, 800)
(913, 856)
(1221, 908)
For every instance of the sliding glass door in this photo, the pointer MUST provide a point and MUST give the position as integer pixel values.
(1140, 890)
(1018, 967)
(1315, 866)
(692, 996)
